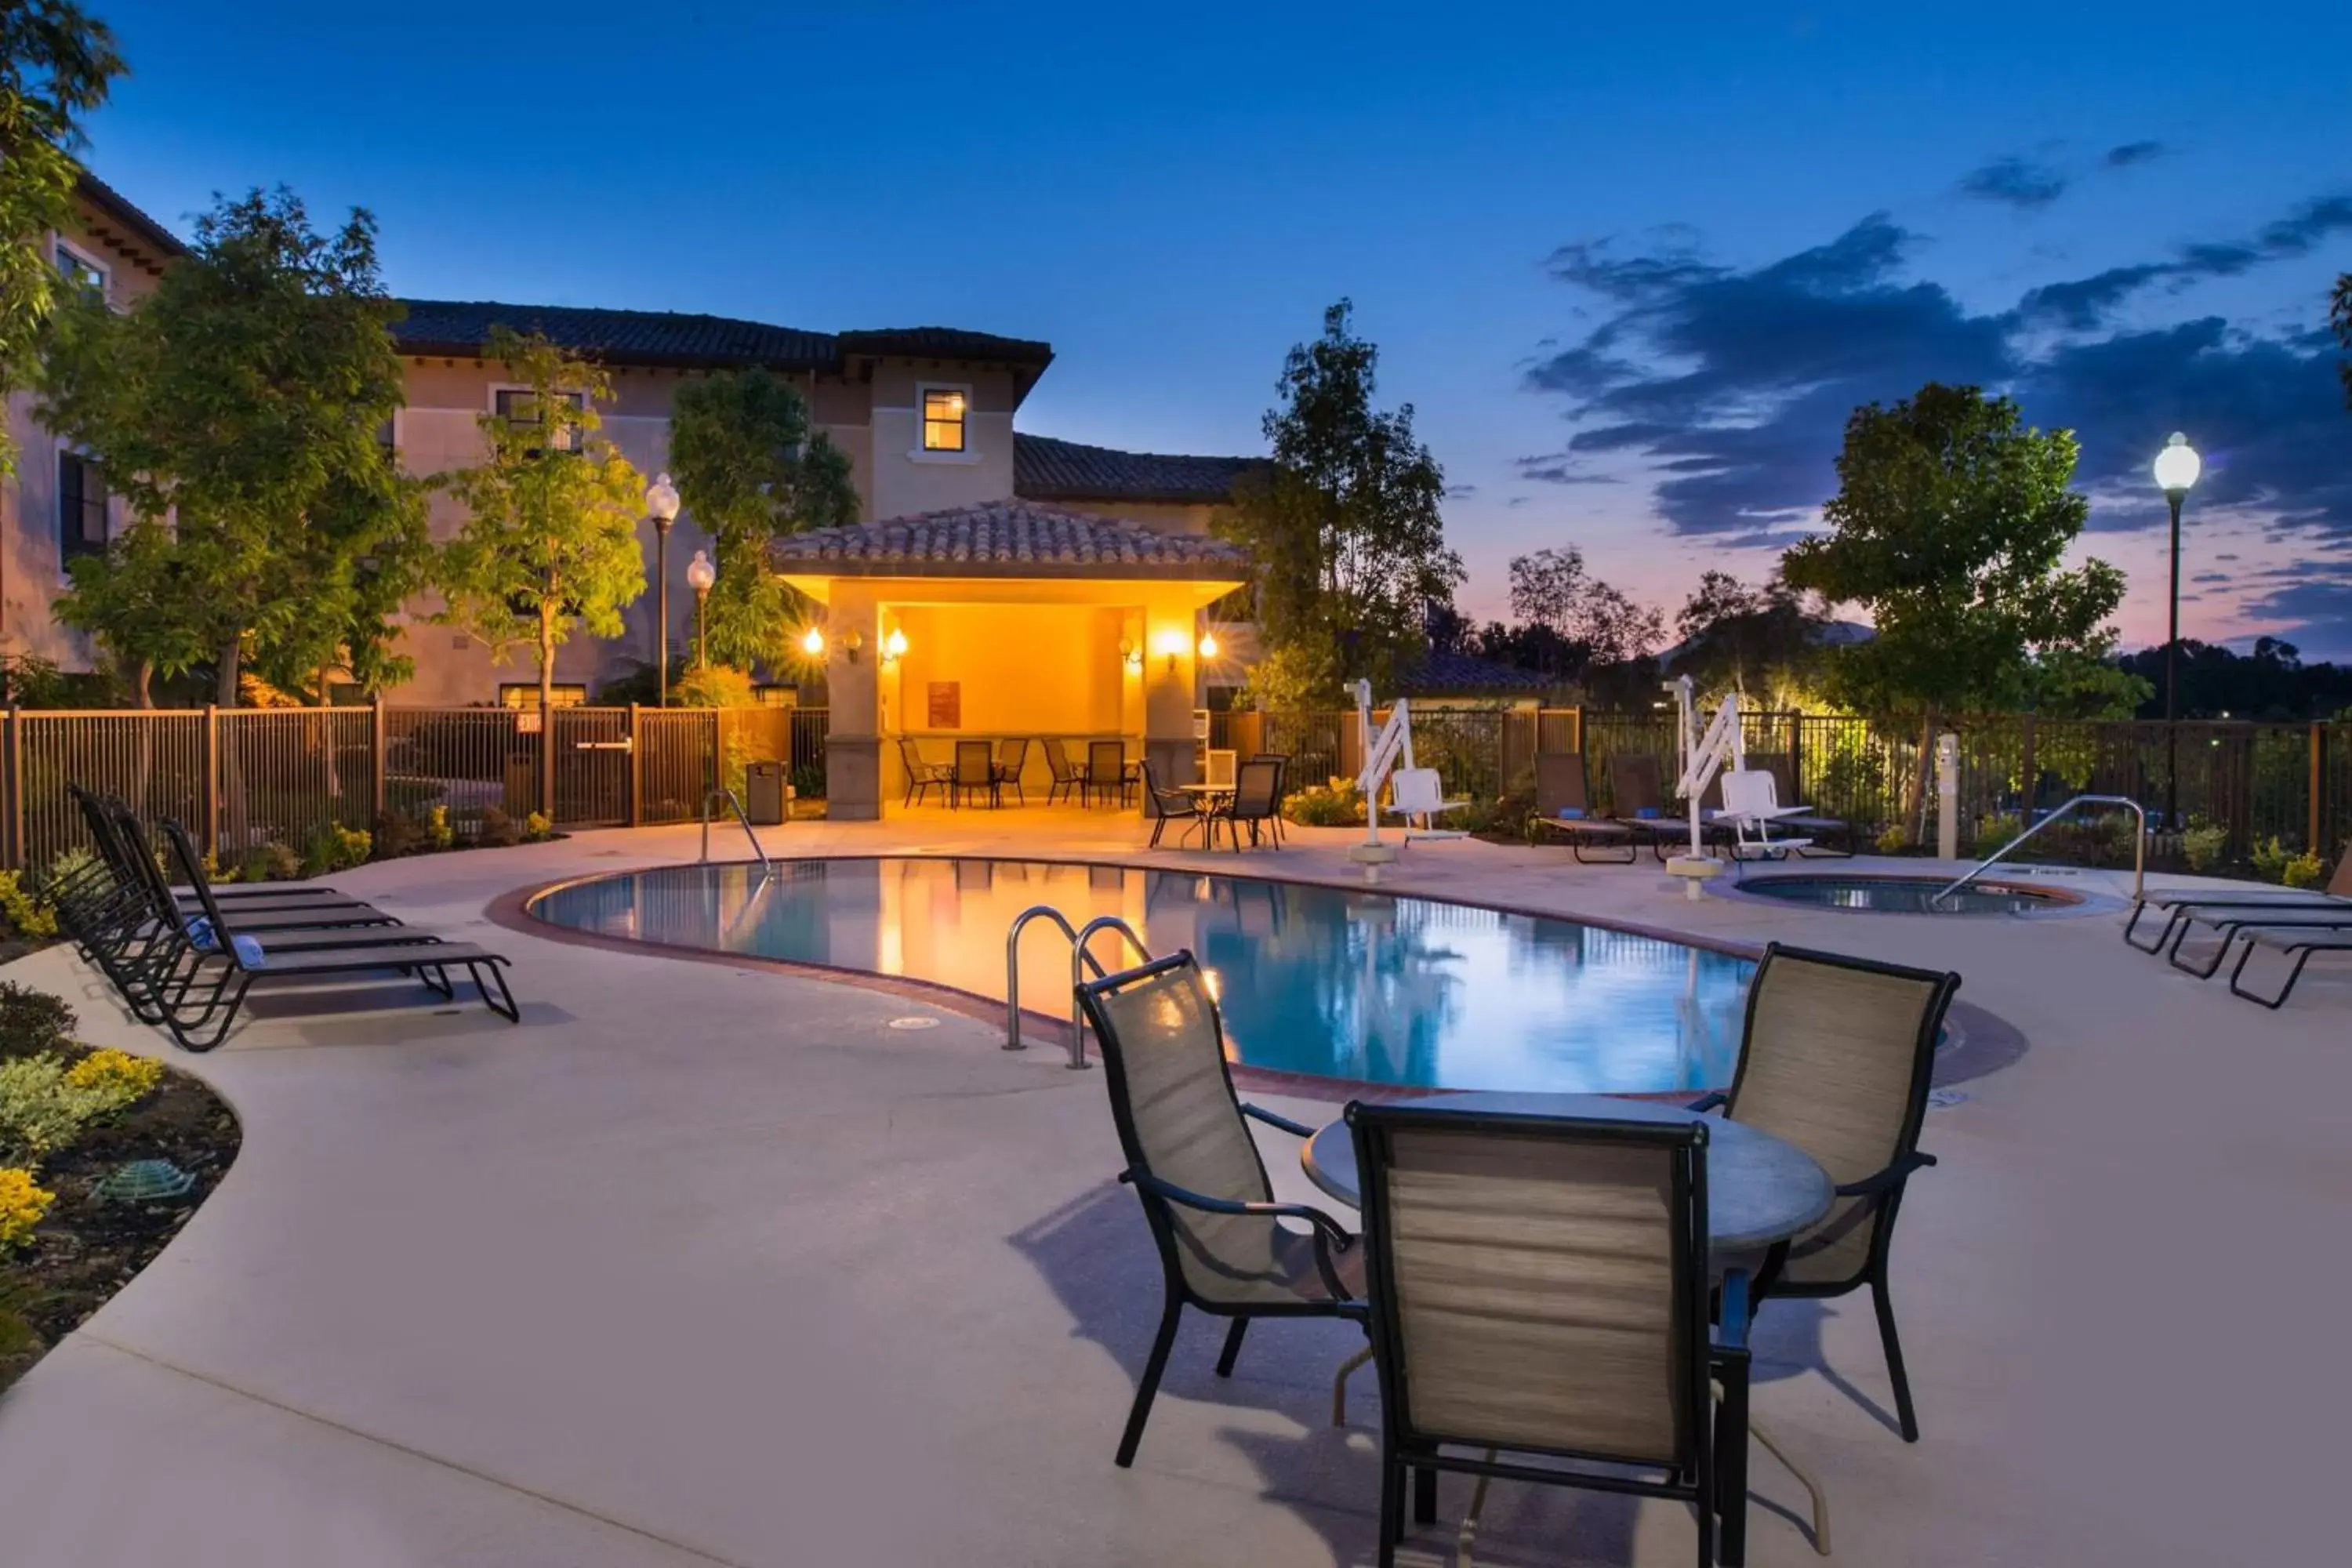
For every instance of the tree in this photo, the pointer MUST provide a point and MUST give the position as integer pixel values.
(1949, 526)
(550, 545)
(238, 411)
(1344, 529)
(56, 66)
(749, 467)
(1751, 639)
(1588, 621)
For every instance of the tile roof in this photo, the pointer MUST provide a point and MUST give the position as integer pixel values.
(1451, 672)
(1005, 539)
(123, 223)
(1046, 470)
(460, 327)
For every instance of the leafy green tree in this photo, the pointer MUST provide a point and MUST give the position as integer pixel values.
(550, 545)
(749, 467)
(238, 411)
(56, 64)
(1950, 527)
(1344, 527)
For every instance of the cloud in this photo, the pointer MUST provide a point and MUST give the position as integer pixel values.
(2019, 183)
(2133, 154)
(2212, 577)
(1560, 469)
(2312, 610)
(1733, 385)
(1460, 492)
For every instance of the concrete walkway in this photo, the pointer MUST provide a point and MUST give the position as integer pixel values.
(705, 1264)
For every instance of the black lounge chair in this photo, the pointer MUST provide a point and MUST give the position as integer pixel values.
(201, 1013)
(2189, 906)
(1638, 798)
(1563, 807)
(2298, 942)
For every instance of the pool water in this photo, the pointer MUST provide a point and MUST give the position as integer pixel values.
(1338, 982)
(1905, 895)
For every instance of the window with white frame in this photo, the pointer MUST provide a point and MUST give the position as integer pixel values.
(945, 409)
(82, 507)
(81, 271)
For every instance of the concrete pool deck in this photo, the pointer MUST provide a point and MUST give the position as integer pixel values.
(706, 1263)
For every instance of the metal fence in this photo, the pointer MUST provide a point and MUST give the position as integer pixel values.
(241, 779)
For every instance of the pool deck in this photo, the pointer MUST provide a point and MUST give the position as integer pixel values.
(706, 1264)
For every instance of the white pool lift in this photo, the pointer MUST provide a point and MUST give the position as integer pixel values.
(1417, 794)
(1751, 802)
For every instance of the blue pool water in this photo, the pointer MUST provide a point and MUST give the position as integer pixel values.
(1905, 895)
(1334, 982)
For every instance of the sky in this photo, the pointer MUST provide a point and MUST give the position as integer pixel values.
(1633, 268)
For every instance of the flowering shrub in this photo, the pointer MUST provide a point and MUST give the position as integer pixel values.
(119, 1074)
(21, 913)
(22, 1204)
(41, 1113)
(2204, 845)
(335, 847)
(1336, 804)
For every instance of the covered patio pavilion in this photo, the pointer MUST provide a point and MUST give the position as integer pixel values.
(1009, 620)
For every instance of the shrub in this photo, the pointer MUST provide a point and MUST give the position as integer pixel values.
(335, 847)
(118, 1074)
(1894, 839)
(68, 865)
(438, 832)
(537, 828)
(22, 1204)
(1336, 804)
(271, 862)
(2204, 845)
(497, 830)
(2270, 860)
(21, 912)
(31, 1022)
(397, 835)
(2304, 871)
(1995, 829)
(41, 1113)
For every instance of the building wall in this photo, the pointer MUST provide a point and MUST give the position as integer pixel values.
(905, 479)
(32, 563)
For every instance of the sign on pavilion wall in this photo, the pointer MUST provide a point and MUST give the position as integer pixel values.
(947, 705)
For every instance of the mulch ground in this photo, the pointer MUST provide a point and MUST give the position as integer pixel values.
(83, 1251)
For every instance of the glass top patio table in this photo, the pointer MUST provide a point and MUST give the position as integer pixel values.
(1760, 1189)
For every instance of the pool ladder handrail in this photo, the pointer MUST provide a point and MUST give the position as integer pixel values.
(1081, 961)
(2139, 845)
(735, 806)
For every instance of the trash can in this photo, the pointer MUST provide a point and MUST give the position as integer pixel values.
(764, 794)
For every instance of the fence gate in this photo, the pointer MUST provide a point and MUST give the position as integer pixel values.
(593, 748)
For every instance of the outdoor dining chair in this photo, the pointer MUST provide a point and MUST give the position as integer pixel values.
(1835, 1058)
(975, 768)
(1254, 803)
(1538, 1299)
(1012, 759)
(1106, 771)
(922, 776)
(1281, 788)
(1069, 779)
(1165, 806)
(1224, 1249)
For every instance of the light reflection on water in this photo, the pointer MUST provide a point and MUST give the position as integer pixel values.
(1329, 981)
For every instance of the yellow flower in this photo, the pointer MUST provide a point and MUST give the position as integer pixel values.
(22, 1204)
(120, 1076)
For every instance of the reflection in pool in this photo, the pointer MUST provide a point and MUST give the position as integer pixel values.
(1334, 982)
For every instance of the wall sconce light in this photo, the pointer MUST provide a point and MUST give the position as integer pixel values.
(1172, 643)
(851, 642)
(1208, 645)
(1131, 654)
(894, 646)
(813, 642)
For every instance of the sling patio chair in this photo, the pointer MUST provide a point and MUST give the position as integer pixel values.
(1637, 798)
(1069, 779)
(975, 768)
(1538, 1292)
(2182, 906)
(922, 776)
(1012, 759)
(201, 1014)
(101, 816)
(1835, 1058)
(1256, 801)
(1563, 807)
(1106, 771)
(2229, 923)
(124, 844)
(1281, 788)
(2298, 942)
(1224, 1249)
(1165, 806)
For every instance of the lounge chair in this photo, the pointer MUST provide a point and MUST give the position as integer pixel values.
(2229, 922)
(1835, 1058)
(2181, 907)
(923, 777)
(1194, 1167)
(2298, 942)
(1637, 797)
(1538, 1291)
(1563, 807)
(200, 1014)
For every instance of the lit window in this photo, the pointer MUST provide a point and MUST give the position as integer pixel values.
(80, 272)
(81, 506)
(943, 411)
(515, 405)
(517, 694)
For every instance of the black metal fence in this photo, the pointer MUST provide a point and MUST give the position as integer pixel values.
(243, 778)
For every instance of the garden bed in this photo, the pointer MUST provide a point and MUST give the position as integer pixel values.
(83, 1248)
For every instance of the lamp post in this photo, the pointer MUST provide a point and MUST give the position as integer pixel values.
(2176, 470)
(699, 576)
(661, 505)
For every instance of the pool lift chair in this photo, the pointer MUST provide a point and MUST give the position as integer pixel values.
(1417, 794)
(1751, 801)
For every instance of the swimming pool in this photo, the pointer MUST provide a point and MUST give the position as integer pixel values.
(1908, 895)
(1338, 982)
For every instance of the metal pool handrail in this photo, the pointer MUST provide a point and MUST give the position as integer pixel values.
(766, 866)
(1081, 962)
(2139, 845)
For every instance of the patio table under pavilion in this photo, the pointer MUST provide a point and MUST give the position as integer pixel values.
(1008, 620)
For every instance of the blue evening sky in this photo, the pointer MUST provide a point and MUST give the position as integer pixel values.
(1632, 269)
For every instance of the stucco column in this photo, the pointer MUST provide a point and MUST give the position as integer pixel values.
(1169, 654)
(852, 742)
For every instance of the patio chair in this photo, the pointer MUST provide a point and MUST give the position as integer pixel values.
(1637, 797)
(975, 768)
(200, 1016)
(1012, 759)
(1164, 806)
(1107, 770)
(1563, 807)
(1195, 1169)
(922, 776)
(1835, 1058)
(1281, 789)
(1068, 778)
(2182, 907)
(1257, 801)
(1538, 1291)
